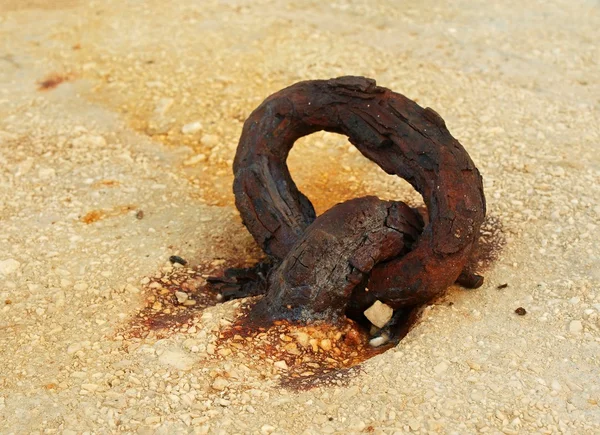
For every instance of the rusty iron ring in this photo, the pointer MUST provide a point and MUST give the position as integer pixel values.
(398, 135)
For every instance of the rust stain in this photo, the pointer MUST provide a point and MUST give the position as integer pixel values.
(315, 355)
(97, 215)
(163, 314)
(489, 246)
(303, 356)
(53, 80)
(93, 216)
(105, 183)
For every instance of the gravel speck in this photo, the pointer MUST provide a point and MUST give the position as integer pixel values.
(220, 384)
(440, 368)
(192, 127)
(575, 327)
(177, 359)
(9, 266)
(281, 365)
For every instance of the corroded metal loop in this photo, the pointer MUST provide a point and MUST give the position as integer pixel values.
(398, 135)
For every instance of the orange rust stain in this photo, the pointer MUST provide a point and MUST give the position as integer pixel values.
(97, 215)
(51, 386)
(307, 356)
(315, 355)
(304, 356)
(162, 314)
(105, 183)
(53, 80)
(93, 216)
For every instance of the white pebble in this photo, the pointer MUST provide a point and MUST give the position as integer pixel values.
(220, 384)
(9, 266)
(191, 128)
(378, 341)
(162, 106)
(440, 368)
(46, 173)
(209, 140)
(73, 347)
(575, 327)
(281, 365)
(195, 159)
(176, 359)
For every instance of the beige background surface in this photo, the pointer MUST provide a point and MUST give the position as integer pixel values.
(518, 83)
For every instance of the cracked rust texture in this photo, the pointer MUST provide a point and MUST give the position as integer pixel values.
(364, 249)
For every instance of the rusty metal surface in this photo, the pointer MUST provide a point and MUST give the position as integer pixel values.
(403, 139)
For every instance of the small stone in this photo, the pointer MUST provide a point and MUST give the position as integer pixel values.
(325, 344)
(181, 297)
(73, 348)
(194, 160)
(575, 327)
(357, 425)
(224, 352)
(303, 338)
(477, 396)
(379, 341)
(9, 266)
(281, 365)
(86, 141)
(46, 173)
(521, 311)
(209, 140)
(90, 387)
(220, 384)
(191, 128)
(474, 366)
(176, 359)
(379, 314)
(267, 429)
(440, 368)
(152, 420)
(327, 428)
(162, 106)
(292, 348)
(414, 424)
(223, 402)
(319, 419)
